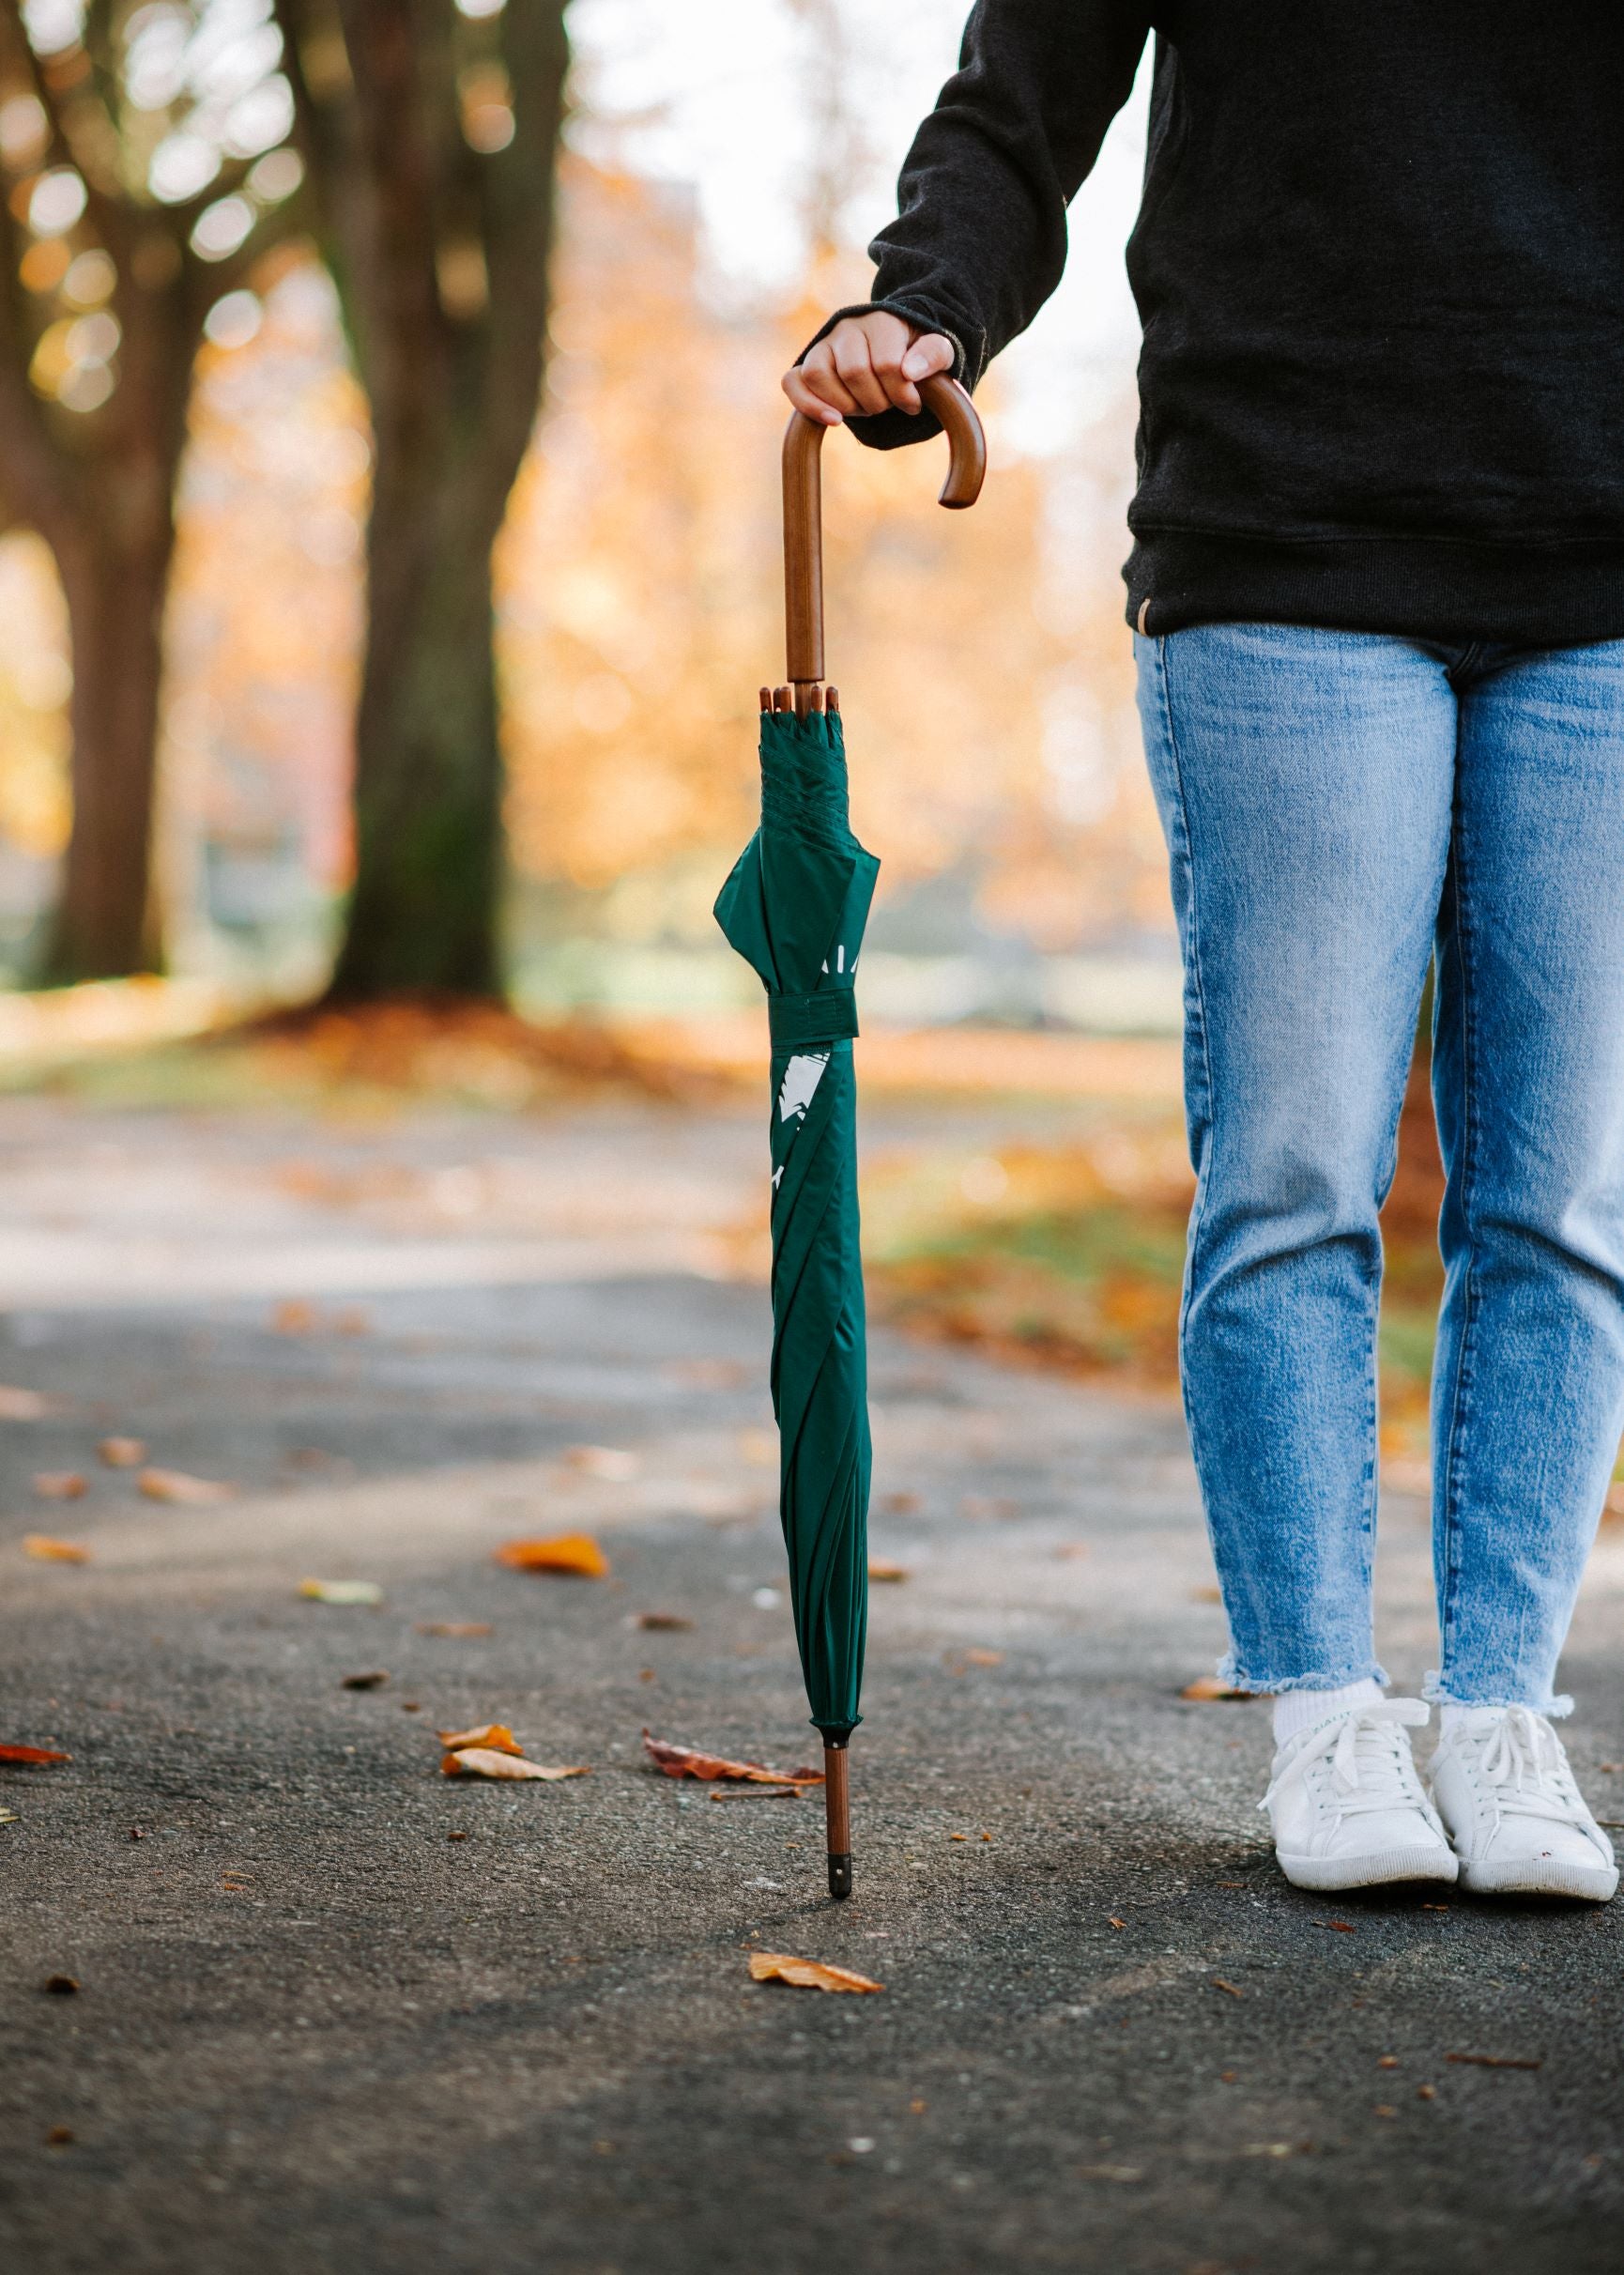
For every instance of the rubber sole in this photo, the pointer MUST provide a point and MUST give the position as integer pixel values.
(1426, 1860)
(1533, 1876)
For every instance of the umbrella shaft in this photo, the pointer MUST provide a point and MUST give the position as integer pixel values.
(837, 1810)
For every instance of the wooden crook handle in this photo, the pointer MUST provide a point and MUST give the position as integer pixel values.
(803, 515)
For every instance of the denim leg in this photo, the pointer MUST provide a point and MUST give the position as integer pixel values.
(1304, 779)
(1528, 1079)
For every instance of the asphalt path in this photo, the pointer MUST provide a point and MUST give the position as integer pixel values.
(336, 2011)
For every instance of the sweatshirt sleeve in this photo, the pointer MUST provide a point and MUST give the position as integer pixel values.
(979, 240)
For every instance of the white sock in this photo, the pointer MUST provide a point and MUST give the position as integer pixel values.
(1299, 1710)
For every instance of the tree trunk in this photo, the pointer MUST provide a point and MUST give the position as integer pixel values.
(425, 910)
(105, 925)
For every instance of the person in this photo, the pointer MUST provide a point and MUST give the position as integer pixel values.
(1377, 597)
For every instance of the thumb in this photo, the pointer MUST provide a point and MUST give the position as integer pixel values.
(930, 354)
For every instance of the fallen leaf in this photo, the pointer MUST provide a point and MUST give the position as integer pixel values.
(59, 2136)
(454, 1628)
(1219, 1984)
(374, 1679)
(756, 1793)
(1117, 1923)
(293, 1318)
(1426, 2093)
(190, 1492)
(879, 1569)
(495, 1734)
(976, 1657)
(60, 1485)
(808, 1974)
(353, 1321)
(9, 1817)
(20, 1406)
(689, 1761)
(122, 1453)
(342, 1591)
(609, 1463)
(1497, 2061)
(31, 1757)
(899, 1504)
(663, 1622)
(63, 1985)
(1386, 2061)
(53, 1552)
(1338, 1926)
(1207, 1688)
(575, 1553)
(487, 1762)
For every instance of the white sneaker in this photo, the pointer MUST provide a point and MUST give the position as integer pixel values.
(1347, 1807)
(1519, 1822)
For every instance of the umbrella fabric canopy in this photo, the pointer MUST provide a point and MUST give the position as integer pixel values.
(795, 907)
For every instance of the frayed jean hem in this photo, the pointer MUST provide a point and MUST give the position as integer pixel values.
(1557, 1708)
(1234, 1677)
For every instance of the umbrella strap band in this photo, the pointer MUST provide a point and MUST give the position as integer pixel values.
(828, 1015)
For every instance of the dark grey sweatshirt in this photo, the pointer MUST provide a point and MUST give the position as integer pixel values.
(1380, 266)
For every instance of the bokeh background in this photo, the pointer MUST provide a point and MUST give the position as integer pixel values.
(389, 404)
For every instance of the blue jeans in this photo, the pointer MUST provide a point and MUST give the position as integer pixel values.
(1339, 808)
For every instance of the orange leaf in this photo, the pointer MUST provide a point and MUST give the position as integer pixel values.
(60, 1485)
(810, 1974)
(175, 1485)
(293, 1317)
(495, 1734)
(53, 1552)
(1207, 1688)
(31, 1757)
(486, 1761)
(687, 1761)
(122, 1453)
(572, 1552)
(879, 1569)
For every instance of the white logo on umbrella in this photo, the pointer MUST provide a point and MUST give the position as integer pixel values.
(801, 1076)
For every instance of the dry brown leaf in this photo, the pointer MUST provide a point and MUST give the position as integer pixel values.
(22, 1406)
(689, 1761)
(293, 1317)
(190, 1492)
(454, 1628)
(663, 1622)
(756, 1793)
(1208, 1689)
(807, 1974)
(899, 1504)
(574, 1553)
(1498, 2061)
(31, 1757)
(122, 1453)
(53, 1552)
(487, 1762)
(494, 1734)
(60, 1485)
(879, 1569)
(374, 1679)
(977, 1657)
(1219, 1983)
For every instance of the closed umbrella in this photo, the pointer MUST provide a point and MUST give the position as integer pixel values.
(795, 907)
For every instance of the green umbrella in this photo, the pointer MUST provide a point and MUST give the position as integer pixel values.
(795, 907)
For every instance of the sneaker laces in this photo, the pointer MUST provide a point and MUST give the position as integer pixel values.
(1371, 1767)
(1524, 1761)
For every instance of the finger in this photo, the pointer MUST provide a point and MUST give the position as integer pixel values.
(818, 395)
(888, 357)
(852, 363)
(928, 355)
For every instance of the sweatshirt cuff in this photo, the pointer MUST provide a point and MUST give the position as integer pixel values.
(890, 430)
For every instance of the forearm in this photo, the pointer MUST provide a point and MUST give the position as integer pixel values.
(979, 240)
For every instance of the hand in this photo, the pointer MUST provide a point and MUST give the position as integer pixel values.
(866, 364)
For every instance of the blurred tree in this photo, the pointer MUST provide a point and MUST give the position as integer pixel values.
(141, 178)
(431, 132)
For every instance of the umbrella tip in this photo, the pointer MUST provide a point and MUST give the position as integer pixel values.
(839, 1876)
